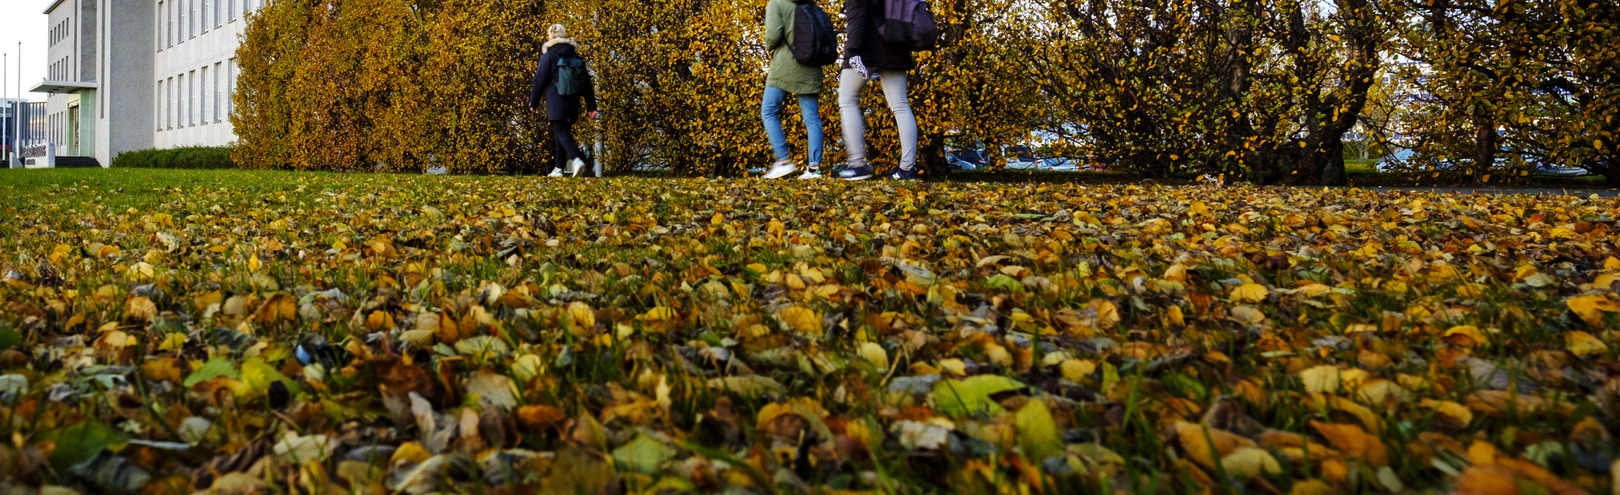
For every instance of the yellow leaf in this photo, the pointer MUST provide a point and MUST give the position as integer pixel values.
(874, 353)
(1458, 414)
(1205, 444)
(1322, 379)
(803, 320)
(1584, 344)
(1591, 308)
(1248, 462)
(172, 342)
(1354, 442)
(253, 263)
(1465, 335)
(801, 406)
(1076, 370)
(1488, 480)
(583, 317)
(658, 313)
(140, 308)
(1250, 292)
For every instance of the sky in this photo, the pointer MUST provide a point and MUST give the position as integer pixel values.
(25, 21)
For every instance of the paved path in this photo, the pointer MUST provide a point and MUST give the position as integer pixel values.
(1537, 191)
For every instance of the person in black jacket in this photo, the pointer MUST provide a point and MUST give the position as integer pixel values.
(866, 57)
(562, 111)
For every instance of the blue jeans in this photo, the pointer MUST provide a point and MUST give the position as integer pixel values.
(770, 111)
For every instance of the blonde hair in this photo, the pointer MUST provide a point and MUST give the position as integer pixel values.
(557, 31)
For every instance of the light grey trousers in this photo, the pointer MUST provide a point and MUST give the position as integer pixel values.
(850, 84)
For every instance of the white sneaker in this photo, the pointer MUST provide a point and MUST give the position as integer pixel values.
(575, 167)
(555, 172)
(811, 173)
(781, 169)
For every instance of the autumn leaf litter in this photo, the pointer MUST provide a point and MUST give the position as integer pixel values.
(262, 332)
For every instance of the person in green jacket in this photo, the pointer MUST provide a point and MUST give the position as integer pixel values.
(789, 77)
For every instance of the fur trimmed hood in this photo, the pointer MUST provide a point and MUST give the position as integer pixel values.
(558, 41)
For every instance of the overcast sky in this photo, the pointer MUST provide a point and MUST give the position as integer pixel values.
(25, 21)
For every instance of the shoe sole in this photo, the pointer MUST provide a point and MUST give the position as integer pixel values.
(774, 177)
(863, 177)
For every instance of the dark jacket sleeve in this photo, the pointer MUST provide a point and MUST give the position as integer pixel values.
(542, 78)
(859, 30)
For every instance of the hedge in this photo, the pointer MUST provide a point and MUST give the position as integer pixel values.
(194, 157)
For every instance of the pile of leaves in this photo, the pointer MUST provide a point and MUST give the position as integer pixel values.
(260, 332)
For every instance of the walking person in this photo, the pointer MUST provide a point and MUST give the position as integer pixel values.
(562, 80)
(867, 57)
(795, 26)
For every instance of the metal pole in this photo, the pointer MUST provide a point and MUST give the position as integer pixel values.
(17, 139)
(5, 96)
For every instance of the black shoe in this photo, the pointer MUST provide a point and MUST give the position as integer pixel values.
(905, 174)
(860, 172)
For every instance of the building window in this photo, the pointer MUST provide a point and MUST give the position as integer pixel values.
(230, 89)
(231, 7)
(219, 94)
(202, 105)
(158, 113)
(219, 6)
(170, 16)
(191, 99)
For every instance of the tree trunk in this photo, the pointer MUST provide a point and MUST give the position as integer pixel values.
(1484, 147)
(1333, 171)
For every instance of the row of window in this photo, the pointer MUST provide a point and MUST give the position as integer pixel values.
(57, 128)
(196, 97)
(181, 20)
(60, 31)
(59, 70)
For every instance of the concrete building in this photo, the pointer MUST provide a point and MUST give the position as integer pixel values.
(135, 74)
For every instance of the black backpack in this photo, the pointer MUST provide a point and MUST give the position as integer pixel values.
(573, 78)
(814, 43)
(909, 23)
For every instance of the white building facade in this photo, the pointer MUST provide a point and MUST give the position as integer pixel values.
(135, 74)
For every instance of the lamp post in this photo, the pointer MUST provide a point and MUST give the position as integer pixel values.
(5, 96)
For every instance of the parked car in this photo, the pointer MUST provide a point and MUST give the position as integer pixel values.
(1546, 170)
(967, 160)
(1020, 157)
(1061, 164)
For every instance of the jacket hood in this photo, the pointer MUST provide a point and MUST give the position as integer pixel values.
(564, 46)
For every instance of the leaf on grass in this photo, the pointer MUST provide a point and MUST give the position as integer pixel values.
(1205, 444)
(1038, 433)
(1249, 293)
(82, 442)
(1354, 442)
(493, 390)
(801, 320)
(1248, 462)
(972, 395)
(217, 367)
(922, 435)
(643, 455)
(747, 385)
(1584, 344)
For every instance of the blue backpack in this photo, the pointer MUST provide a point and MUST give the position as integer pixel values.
(573, 78)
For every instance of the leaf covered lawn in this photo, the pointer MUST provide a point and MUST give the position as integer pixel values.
(261, 332)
